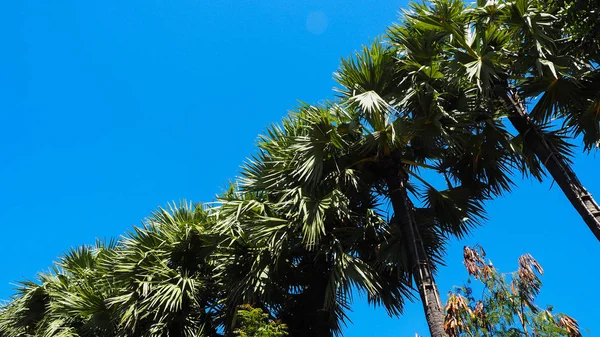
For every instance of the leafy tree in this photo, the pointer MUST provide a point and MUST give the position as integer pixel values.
(507, 305)
(256, 323)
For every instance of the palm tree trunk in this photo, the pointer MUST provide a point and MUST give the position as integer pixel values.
(308, 317)
(404, 212)
(558, 168)
(318, 326)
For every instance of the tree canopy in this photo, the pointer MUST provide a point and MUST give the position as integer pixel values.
(360, 194)
(507, 304)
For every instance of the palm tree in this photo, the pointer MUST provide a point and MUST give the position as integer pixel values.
(308, 201)
(415, 118)
(164, 275)
(68, 301)
(512, 52)
(156, 281)
(304, 229)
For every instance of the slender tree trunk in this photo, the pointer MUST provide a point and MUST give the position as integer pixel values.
(558, 168)
(319, 322)
(309, 318)
(318, 325)
(404, 212)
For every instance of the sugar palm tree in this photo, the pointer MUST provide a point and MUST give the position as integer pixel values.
(309, 200)
(164, 276)
(304, 229)
(68, 301)
(512, 53)
(156, 281)
(416, 118)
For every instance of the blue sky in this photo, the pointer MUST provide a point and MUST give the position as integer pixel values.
(109, 109)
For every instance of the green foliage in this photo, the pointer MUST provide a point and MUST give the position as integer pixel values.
(526, 47)
(254, 322)
(580, 19)
(507, 304)
(156, 281)
(307, 223)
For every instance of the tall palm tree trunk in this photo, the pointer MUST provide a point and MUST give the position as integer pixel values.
(318, 316)
(558, 168)
(404, 212)
(309, 317)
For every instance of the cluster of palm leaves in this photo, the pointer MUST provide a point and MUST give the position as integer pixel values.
(154, 282)
(355, 195)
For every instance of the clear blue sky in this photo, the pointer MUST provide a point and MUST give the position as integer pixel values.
(111, 108)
